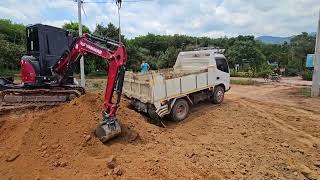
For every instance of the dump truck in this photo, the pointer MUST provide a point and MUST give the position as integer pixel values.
(197, 75)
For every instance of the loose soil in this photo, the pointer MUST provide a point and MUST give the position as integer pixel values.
(259, 132)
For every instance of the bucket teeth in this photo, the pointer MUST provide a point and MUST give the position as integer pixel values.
(107, 130)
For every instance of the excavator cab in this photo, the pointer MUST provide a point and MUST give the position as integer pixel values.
(45, 45)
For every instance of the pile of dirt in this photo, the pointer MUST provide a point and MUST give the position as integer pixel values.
(62, 138)
(250, 136)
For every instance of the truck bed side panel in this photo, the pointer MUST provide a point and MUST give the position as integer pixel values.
(188, 83)
(202, 80)
(158, 88)
(173, 87)
(137, 89)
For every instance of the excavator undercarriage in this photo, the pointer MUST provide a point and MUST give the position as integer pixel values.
(38, 97)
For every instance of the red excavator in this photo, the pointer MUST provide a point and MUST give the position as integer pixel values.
(47, 72)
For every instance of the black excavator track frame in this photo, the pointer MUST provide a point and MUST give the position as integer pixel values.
(17, 98)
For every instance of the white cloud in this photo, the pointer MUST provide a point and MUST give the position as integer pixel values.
(8, 12)
(214, 18)
(57, 23)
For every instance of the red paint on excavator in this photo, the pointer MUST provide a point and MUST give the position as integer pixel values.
(28, 74)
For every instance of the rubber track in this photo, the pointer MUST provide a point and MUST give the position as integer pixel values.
(53, 92)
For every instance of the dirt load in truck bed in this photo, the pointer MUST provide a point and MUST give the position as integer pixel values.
(247, 136)
(169, 73)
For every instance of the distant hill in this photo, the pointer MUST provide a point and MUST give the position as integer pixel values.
(273, 39)
(277, 40)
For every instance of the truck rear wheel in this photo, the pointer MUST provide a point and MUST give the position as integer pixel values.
(218, 95)
(179, 110)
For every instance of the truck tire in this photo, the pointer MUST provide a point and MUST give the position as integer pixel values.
(180, 110)
(218, 95)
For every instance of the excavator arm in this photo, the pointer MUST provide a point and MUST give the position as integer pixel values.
(87, 43)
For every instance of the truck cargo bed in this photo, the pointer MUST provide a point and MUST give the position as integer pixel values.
(164, 84)
(196, 76)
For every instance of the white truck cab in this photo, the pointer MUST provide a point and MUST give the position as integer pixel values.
(196, 76)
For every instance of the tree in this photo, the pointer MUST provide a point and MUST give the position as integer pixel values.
(14, 33)
(161, 51)
(245, 51)
(10, 55)
(12, 45)
(168, 58)
(110, 31)
(300, 46)
(73, 27)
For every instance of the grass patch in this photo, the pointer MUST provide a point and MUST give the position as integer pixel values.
(304, 91)
(243, 81)
(97, 85)
(5, 72)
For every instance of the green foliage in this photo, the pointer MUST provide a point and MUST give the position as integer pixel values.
(264, 70)
(307, 75)
(161, 51)
(301, 45)
(8, 73)
(304, 91)
(243, 81)
(168, 58)
(12, 46)
(10, 55)
(14, 33)
(73, 27)
(241, 74)
(245, 51)
(97, 85)
(110, 31)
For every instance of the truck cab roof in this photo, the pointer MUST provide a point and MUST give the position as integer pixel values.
(197, 60)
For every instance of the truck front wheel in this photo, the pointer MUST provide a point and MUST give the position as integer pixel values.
(218, 95)
(179, 110)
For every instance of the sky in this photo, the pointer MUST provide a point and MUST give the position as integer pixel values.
(212, 18)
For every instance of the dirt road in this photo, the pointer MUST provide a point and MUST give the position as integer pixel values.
(259, 132)
(294, 81)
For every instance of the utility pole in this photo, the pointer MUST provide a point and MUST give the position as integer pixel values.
(119, 3)
(119, 24)
(82, 76)
(316, 71)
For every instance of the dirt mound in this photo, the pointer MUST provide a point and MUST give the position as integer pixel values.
(62, 138)
(257, 133)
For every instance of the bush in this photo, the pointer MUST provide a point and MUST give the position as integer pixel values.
(243, 81)
(304, 91)
(307, 75)
(241, 74)
(264, 70)
(264, 73)
(6, 72)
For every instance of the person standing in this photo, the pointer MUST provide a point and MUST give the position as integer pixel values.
(144, 67)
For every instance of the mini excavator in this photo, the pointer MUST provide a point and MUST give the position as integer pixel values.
(47, 72)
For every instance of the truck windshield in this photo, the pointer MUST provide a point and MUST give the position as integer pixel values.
(32, 39)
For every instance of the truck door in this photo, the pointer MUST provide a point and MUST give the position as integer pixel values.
(223, 75)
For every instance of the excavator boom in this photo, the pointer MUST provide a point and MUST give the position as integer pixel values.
(109, 126)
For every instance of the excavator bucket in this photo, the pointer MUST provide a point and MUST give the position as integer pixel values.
(108, 129)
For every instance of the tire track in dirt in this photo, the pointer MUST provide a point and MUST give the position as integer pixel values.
(302, 143)
(277, 115)
(239, 139)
